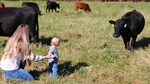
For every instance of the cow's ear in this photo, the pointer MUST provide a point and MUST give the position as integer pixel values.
(111, 22)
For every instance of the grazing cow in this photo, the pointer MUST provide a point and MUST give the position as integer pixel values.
(33, 5)
(2, 5)
(83, 6)
(129, 26)
(52, 5)
(12, 17)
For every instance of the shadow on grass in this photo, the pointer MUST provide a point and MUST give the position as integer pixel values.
(66, 68)
(36, 73)
(46, 41)
(143, 43)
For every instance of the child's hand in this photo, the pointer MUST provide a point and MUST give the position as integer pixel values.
(52, 56)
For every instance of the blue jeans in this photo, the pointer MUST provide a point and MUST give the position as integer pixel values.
(53, 70)
(19, 74)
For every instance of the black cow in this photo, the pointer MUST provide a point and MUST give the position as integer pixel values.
(33, 5)
(12, 17)
(52, 5)
(129, 26)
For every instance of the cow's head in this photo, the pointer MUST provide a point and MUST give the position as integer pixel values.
(58, 6)
(89, 10)
(39, 12)
(119, 26)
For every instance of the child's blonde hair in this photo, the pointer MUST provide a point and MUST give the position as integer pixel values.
(54, 40)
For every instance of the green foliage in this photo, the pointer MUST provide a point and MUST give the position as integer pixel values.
(88, 52)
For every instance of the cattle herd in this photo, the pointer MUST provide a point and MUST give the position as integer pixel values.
(129, 26)
(12, 17)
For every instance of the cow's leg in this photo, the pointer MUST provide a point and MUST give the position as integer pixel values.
(85, 10)
(126, 43)
(46, 10)
(76, 8)
(33, 23)
(37, 27)
(133, 42)
(55, 10)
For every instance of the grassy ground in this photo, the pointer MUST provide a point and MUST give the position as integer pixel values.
(88, 52)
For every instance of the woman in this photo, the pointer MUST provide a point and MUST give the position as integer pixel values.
(16, 51)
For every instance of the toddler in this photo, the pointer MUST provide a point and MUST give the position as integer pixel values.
(53, 66)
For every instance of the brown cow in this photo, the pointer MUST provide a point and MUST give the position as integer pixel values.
(84, 6)
(2, 5)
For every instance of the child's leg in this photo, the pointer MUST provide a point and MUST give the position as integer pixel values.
(53, 70)
(19, 74)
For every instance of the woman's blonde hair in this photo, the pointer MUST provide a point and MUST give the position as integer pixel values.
(18, 42)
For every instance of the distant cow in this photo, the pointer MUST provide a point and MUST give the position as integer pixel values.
(52, 5)
(33, 5)
(12, 17)
(129, 26)
(2, 5)
(83, 6)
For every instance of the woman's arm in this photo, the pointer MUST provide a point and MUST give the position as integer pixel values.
(36, 57)
(40, 57)
(50, 56)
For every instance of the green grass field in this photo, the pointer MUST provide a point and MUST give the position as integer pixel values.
(89, 54)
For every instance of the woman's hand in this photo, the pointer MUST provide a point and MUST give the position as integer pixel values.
(51, 56)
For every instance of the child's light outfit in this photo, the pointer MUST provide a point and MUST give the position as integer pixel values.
(53, 66)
